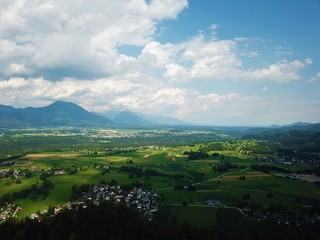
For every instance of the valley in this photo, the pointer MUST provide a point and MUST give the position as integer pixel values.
(200, 174)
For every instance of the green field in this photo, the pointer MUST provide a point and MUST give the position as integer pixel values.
(172, 168)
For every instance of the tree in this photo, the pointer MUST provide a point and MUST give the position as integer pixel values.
(50, 210)
(18, 181)
(7, 198)
(246, 196)
(270, 195)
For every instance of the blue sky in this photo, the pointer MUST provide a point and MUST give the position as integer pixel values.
(208, 62)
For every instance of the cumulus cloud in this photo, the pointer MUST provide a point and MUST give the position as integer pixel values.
(52, 35)
(281, 72)
(78, 39)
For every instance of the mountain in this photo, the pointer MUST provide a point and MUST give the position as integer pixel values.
(69, 114)
(57, 114)
(129, 118)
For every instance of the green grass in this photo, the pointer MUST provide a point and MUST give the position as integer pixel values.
(13, 187)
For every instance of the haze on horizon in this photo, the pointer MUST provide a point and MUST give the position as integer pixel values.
(207, 62)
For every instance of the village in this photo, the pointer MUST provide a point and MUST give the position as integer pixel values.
(145, 201)
(289, 160)
(7, 211)
(285, 218)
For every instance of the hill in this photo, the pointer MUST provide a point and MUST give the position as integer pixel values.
(303, 126)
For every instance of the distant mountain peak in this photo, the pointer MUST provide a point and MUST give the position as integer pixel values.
(128, 118)
(59, 113)
(63, 104)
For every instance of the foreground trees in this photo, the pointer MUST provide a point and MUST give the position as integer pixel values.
(108, 221)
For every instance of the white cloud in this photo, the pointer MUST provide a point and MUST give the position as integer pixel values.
(14, 68)
(314, 78)
(59, 34)
(308, 61)
(202, 59)
(157, 55)
(13, 83)
(176, 73)
(241, 39)
(58, 39)
(211, 59)
(281, 72)
(162, 9)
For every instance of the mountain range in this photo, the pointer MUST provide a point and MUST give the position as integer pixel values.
(62, 113)
(69, 114)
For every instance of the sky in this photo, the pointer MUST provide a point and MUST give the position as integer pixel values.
(208, 62)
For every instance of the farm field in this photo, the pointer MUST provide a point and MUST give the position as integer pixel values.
(167, 170)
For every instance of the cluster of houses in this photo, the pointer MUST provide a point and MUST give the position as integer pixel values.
(145, 201)
(116, 134)
(291, 160)
(9, 210)
(6, 173)
(283, 218)
(56, 209)
(109, 134)
(60, 172)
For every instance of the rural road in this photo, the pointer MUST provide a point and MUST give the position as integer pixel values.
(204, 205)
